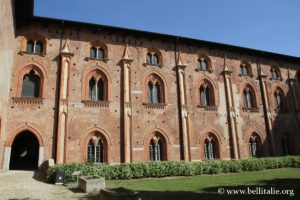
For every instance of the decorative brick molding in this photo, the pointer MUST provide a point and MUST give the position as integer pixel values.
(248, 67)
(95, 59)
(19, 130)
(278, 90)
(90, 103)
(96, 133)
(205, 58)
(153, 51)
(253, 92)
(156, 135)
(250, 109)
(27, 101)
(155, 105)
(206, 81)
(208, 108)
(97, 73)
(97, 44)
(154, 78)
(31, 53)
(33, 37)
(250, 134)
(38, 69)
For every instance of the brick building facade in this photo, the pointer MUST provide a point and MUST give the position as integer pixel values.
(74, 92)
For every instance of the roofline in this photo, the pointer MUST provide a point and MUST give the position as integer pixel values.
(258, 53)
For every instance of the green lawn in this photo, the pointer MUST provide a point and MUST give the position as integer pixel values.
(206, 186)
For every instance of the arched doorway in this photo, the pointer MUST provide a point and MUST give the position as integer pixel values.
(24, 152)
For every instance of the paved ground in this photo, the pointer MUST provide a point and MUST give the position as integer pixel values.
(27, 185)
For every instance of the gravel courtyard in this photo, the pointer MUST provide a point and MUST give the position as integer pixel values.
(28, 185)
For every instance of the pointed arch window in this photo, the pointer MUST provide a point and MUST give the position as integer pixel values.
(210, 147)
(154, 95)
(31, 85)
(249, 98)
(96, 89)
(253, 146)
(155, 90)
(96, 150)
(157, 149)
(279, 100)
(34, 46)
(206, 95)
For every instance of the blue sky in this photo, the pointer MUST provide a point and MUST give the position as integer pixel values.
(268, 25)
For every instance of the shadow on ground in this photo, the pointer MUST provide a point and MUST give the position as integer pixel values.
(291, 186)
(23, 199)
(39, 176)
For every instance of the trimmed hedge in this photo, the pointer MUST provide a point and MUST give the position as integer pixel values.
(171, 168)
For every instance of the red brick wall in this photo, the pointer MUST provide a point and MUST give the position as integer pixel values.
(82, 120)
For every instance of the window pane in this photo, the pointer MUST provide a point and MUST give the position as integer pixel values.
(100, 53)
(203, 96)
(274, 74)
(31, 85)
(157, 152)
(152, 151)
(148, 58)
(248, 100)
(158, 97)
(29, 47)
(245, 71)
(149, 93)
(39, 47)
(101, 90)
(154, 59)
(99, 153)
(277, 100)
(93, 52)
(90, 152)
(92, 88)
(207, 95)
(241, 70)
(203, 65)
(198, 64)
(206, 149)
(211, 150)
(253, 149)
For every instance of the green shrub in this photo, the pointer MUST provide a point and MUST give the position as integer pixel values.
(171, 168)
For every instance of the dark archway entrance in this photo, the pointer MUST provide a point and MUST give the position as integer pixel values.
(24, 152)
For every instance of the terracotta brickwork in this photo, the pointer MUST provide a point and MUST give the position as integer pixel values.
(64, 118)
